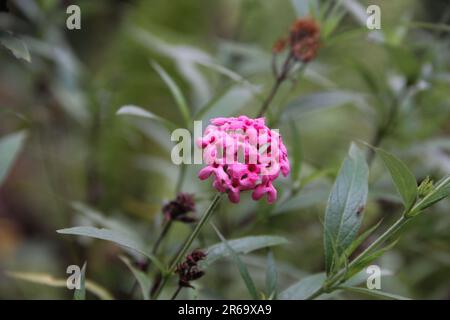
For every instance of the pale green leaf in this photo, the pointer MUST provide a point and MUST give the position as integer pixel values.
(18, 48)
(271, 276)
(304, 288)
(49, 280)
(242, 246)
(318, 101)
(141, 112)
(10, 146)
(242, 268)
(113, 236)
(374, 293)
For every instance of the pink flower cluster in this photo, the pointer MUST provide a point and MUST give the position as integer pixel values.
(243, 154)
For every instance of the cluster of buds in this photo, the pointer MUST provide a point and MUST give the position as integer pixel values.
(188, 270)
(177, 210)
(303, 40)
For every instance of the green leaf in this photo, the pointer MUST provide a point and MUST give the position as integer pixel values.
(440, 191)
(404, 180)
(271, 276)
(80, 294)
(367, 260)
(242, 246)
(318, 101)
(345, 205)
(304, 288)
(374, 293)
(18, 48)
(242, 268)
(113, 236)
(176, 93)
(10, 146)
(140, 112)
(49, 280)
(361, 238)
(141, 277)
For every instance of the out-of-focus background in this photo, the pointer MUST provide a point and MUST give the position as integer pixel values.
(78, 163)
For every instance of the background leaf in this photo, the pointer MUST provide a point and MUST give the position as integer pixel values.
(141, 112)
(143, 280)
(176, 93)
(271, 276)
(10, 146)
(18, 48)
(318, 101)
(49, 280)
(113, 236)
(242, 268)
(345, 205)
(242, 245)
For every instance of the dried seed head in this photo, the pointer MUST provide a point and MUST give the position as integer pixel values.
(188, 270)
(279, 45)
(304, 39)
(177, 209)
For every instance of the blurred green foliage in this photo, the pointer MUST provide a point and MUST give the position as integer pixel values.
(77, 150)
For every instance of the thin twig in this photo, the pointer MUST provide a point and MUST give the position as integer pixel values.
(176, 292)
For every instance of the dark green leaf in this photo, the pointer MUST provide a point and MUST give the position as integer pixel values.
(404, 180)
(345, 206)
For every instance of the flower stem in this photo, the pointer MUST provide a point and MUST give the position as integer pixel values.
(176, 293)
(278, 81)
(190, 239)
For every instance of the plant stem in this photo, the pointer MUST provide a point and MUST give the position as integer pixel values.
(176, 293)
(278, 81)
(339, 277)
(164, 232)
(182, 252)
